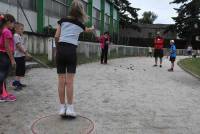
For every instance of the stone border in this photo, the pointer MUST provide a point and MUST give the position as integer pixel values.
(187, 70)
(36, 121)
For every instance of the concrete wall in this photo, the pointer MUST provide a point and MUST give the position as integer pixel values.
(45, 45)
(36, 44)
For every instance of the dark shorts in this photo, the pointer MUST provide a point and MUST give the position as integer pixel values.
(20, 66)
(158, 53)
(4, 66)
(66, 58)
(189, 52)
(172, 59)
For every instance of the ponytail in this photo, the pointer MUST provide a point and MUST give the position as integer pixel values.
(2, 20)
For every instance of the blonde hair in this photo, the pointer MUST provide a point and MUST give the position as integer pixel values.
(17, 24)
(77, 11)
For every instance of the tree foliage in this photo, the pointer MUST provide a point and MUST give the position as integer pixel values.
(187, 23)
(148, 18)
(128, 14)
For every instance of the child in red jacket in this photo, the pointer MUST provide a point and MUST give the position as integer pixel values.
(104, 44)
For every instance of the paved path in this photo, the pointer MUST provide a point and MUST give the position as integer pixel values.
(127, 96)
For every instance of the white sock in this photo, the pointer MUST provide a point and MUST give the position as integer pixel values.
(62, 105)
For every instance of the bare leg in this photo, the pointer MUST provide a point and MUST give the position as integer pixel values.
(69, 85)
(172, 66)
(160, 61)
(156, 60)
(61, 87)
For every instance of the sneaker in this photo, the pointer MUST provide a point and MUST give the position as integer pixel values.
(15, 83)
(18, 88)
(155, 65)
(62, 111)
(160, 65)
(170, 70)
(22, 85)
(70, 111)
(10, 98)
(2, 99)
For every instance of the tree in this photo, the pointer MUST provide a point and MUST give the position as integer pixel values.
(148, 18)
(187, 23)
(128, 14)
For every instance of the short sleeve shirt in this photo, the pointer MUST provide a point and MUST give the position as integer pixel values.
(158, 43)
(6, 34)
(173, 51)
(19, 40)
(70, 30)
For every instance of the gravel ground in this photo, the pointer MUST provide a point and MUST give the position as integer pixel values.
(127, 96)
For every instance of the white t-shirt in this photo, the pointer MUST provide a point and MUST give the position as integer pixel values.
(189, 48)
(18, 40)
(70, 30)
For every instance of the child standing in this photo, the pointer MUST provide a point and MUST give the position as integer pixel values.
(150, 51)
(66, 38)
(172, 55)
(104, 44)
(6, 55)
(20, 55)
(158, 49)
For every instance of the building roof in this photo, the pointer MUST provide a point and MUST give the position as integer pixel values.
(153, 25)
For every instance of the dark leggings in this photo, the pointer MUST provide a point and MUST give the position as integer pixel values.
(104, 54)
(4, 69)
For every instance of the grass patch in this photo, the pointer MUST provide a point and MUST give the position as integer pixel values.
(44, 59)
(82, 59)
(191, 64)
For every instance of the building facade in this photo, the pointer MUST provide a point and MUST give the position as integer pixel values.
(148, 31)
(103, 14)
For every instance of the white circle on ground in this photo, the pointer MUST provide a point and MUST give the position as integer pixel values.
(55, 124)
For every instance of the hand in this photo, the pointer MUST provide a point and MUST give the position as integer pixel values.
(28, 56)
(13, 63)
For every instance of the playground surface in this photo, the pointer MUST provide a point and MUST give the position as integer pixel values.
(127, 96)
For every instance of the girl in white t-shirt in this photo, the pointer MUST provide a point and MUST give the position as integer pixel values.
(66, 37)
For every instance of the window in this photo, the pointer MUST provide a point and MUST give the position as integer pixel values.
(115, 25)
(26, 4)
(56, 8)
(96, 18)
(84, 6)
(48, 8)
(107, 22)
(63, 11)
(6, 1)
